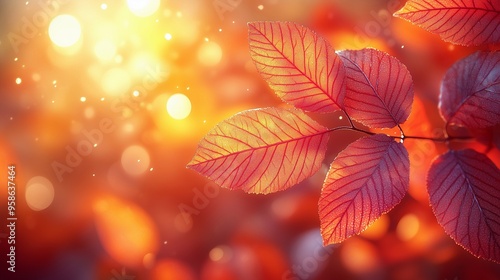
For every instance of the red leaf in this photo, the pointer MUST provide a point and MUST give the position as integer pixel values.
(459, 22)
(300, 66)
(366, 180)
(464, 190)
(262, 151)
(379, 88)
(470, 91)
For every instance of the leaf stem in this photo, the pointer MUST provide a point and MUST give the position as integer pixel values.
(404, 137)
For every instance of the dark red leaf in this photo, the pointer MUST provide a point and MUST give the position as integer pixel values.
(457, 21)
(262, 151)
(464, 190)
(366, 180)
(300, 66)
(379, 88)
(470, 91)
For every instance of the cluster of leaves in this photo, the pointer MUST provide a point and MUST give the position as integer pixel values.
(271, 149)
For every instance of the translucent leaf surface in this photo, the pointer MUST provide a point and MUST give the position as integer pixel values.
(262, 150)
(366, 180)
(300, 66)
(464, 190)
(379, 88)
(470, 91)
(457, 21)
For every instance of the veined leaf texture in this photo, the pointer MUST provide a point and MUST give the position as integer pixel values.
(366, 180)
(462, 22)
(470, 91)
(379, 88)
(464, 193)
(262, 151)
(300, 66)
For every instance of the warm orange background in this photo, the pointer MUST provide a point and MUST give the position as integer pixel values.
(117, 214)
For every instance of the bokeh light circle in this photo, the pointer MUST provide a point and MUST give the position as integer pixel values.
(115, 81)
(209, 54)
(39, 193)
(179, 106)
(105, 50)
(65, 31)
(135, 160)
(143, 8)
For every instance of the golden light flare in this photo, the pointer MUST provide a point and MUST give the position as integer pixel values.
(39, 193)
(143, 8)
(64, 31)
(178, 106)
(126, 232)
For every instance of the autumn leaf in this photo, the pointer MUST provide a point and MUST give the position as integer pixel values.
(379, 88)
(366, 180)
(262, 150)
(470, 91)
(300, 66)
(459, 22)
(464, 190)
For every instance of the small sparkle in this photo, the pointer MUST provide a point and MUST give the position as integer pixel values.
(168, 36)
(151, 169)
(104, 6)
(18, 81)
(340, 117)
(15, 58)
(95, 145)
(260, 7)
(83, 99)
(220, 29)
(136, 93)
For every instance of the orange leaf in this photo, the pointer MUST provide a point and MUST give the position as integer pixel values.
(459, 22)
(262, 151)
(300, 66)
(366, 180)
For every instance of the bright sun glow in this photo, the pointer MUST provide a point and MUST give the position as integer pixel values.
(143, 8)
(64, 31)
(179, 106)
